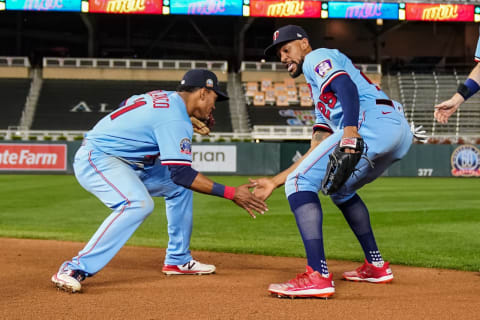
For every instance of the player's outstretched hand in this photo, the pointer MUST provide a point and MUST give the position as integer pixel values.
(245, 199)
(445, 109)
(263, 187)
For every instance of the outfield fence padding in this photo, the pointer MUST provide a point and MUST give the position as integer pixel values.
(245, 158)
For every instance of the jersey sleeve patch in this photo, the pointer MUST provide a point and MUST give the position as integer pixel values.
(323, 68)
(186, 146)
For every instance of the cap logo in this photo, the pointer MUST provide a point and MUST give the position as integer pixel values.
(209, 83)
(299, 35)
(275, 35)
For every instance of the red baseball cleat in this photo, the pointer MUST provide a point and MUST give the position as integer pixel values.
(369, 273)
(308, 284)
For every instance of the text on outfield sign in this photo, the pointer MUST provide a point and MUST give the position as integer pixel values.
(44, 157)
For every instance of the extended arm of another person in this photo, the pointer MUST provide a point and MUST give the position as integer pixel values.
(265, 186)
(465, 90)
(241, 195)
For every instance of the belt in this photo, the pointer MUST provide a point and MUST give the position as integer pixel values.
(386, 102)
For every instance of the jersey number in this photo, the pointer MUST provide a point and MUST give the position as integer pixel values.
(329, 100)
(137, 103)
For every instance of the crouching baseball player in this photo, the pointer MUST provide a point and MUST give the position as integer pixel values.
(140, 150)
(359, 132)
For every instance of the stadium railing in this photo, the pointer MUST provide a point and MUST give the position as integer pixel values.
(82, 71)
(419, 92)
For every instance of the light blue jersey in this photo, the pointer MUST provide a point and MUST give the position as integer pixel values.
(320, 67)
(145, 126)
(381, 124)
(118, 163)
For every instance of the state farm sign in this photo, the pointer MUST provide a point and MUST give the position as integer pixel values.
(43, 157)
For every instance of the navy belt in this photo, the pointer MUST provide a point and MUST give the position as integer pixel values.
(386, 102)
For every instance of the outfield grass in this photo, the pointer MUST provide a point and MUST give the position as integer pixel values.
(430, 222)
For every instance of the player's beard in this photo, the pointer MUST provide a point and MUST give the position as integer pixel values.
(298, 70)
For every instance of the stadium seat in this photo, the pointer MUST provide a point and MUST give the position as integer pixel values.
(79, 104)
(14, 94)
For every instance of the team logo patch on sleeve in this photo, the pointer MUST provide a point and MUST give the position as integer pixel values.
(323, 67)
(186, 146)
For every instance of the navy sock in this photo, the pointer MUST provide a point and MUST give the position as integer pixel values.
(358, 218)
(306, 207)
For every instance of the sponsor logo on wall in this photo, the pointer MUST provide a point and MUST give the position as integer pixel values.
(465, 161)
(35, 157)
(214, 158)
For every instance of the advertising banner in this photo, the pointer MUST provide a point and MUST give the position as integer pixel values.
(207, 7)
(439, 12)
(44, 5)
(465, 161)
(214, 158)
(33, 157)
(363, 10)
(126, 6)
(285, 9)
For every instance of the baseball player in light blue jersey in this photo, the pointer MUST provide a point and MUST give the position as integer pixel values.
(140, 150)
(465, 90)
(347, 105)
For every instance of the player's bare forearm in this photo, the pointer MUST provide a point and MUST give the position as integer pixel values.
(445, 109)
(351, 132)
(202, 184)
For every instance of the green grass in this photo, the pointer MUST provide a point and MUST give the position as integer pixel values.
(430, 222)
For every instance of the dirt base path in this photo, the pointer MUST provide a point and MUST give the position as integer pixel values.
(133, 287)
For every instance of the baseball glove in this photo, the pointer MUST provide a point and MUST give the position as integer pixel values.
(203, 127)
(341, 164)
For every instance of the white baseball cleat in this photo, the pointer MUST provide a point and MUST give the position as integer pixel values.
(68, 280)
(191, 267)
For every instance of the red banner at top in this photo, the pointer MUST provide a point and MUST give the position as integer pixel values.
(439, 12)
(126, 6)
(285, 8)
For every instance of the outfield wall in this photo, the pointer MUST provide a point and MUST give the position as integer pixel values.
(244, 158)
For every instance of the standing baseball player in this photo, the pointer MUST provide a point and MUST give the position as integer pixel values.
(359, 132)
(140, 150)
(465, 90)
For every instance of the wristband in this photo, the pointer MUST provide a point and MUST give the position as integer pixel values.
(223, 191)
(468, 89)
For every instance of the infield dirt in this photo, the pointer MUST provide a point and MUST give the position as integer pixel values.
(133, 287)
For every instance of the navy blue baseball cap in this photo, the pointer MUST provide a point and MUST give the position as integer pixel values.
(203, 78)
(283, 35)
